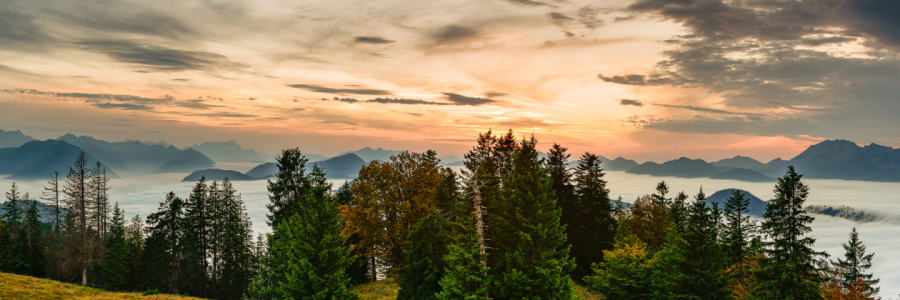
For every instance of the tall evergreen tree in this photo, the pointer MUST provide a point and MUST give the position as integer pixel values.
(420, 277)
(704, 261)
(678, 213)
(533, 262)
(561, 177)
(662, 189)
(739, 229)
(788, 271)
(118, 255)
(15, 260)
(288, 188)
(51, 195)
(315, 251)
(668, 278)
(592, 229)
(855, 264)
(164, 246)
(465, 276)
(32, 236)
(77, 190)
(196, 238)
(236, 265)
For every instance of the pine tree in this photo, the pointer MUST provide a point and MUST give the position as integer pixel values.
(288, 188)
(856, 263)
(668, 279)
(196, 238)
(660, 196)
(236, 263)
(77, 190)
(561, 176)
(533, 262)
(592, 230)
(15, 260)
(704, 261)
(788, 271)
(134, 240)
(420, 277)
(315, 251)
(164, 246)
(739, 229)
(678, 212)
(51, 195)
(465, 276)
(118, 256)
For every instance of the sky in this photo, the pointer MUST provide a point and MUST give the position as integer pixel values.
(645, 79)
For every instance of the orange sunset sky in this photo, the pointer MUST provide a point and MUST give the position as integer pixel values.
(647, 79)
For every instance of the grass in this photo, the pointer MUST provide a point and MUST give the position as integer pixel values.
(387, 290)
(26, 287)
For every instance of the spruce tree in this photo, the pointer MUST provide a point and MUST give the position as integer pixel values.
(678, 213)
(532, 262)
(704, 261)
(163, 259)
(236, 241)
(288, 188)
(51, 195)
(32, 237)
(196, 239)
(118, 254)
(668, 278)
(465, 276)
(739, 229)
(561, 176)
(77, 191)
(855, 264)
(14, 242)
(592, 228)
(660, 196)
(788, 271)
(315, 253)
(420, 277)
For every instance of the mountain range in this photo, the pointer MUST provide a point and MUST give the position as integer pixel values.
(341, 167)
(39, 159)
(13, 139)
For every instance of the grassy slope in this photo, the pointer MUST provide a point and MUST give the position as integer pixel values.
(388, 289)
(25, 287)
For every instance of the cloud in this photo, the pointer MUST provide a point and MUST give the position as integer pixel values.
(123, 106)
(493, 94)
(465, 100)
(590, 16)
(340, 91)
(827, 40)
(388, 101)
(453, 34)
(530, 3)
(635, 79)
(159, 58)
(225, 115)
(627, 102)
(18, 31)
(709, 110)
(371, 40)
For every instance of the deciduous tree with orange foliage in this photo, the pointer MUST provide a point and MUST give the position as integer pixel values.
(648, 221)
(390, 197)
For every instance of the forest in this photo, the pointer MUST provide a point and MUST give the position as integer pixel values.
(510, 225)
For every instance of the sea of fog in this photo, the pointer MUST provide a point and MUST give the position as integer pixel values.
(142, 195)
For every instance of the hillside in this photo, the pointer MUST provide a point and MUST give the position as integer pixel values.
(368, 154)
(387, 289)
(618, 164)
(217, 175)
(25, 287)
(740, 162)
(756, 208)
(47, 212)
(840, 159)
(135, 156)
(682, 167)
(265, 170)
(39, 159)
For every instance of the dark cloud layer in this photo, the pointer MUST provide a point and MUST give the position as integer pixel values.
(465, 100)
(340, 91)
(761, 54)
(158, 58)
(627, 102)
(452, 34)
(372, 40)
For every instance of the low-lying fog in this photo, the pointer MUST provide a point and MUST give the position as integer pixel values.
(142, 196)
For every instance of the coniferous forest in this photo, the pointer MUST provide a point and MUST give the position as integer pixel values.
(510, 225)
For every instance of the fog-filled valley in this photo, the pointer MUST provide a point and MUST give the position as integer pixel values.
(141, 195)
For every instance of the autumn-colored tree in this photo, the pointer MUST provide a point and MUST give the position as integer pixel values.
(741, 287)
(836, 288)
(626, 270)
(648, 221)
(390, 197)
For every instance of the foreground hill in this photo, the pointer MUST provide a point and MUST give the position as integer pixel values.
(756, 208)
(388, 289)
(25, 287)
